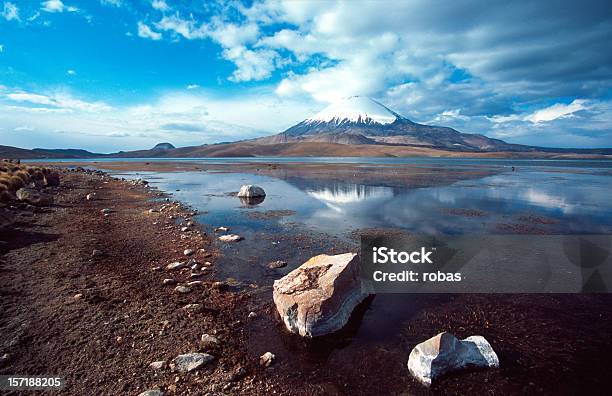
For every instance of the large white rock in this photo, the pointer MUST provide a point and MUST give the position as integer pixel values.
(444, 353)
(318, 297)
(251, 191)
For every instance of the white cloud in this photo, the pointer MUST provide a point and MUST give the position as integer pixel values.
(57, 6)
(145, 31)
(557, 111)
(58, 101)
(251, 64)
(160, 5)
(193, 86)
(1, 48)
(70, 72)
(24, 128)
(114, 3)
(10, 12)
(183, 27)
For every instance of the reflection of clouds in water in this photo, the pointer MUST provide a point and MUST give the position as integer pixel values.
(546, 200)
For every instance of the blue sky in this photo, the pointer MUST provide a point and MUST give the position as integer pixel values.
(108, 75)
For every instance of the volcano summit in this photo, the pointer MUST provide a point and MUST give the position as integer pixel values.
(362, 120)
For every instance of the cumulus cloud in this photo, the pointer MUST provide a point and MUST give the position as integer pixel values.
(145, 31)
(10, 12)
(57, 6)
(160, 5)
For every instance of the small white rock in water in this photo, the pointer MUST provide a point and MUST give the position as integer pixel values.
(251, 191)
(190, 361)
(230, 238)
(221, 229)
(188, 252)
(182, 289)
(184, 229)
(91, 196)
(267, 359)
(152, 392)
(176, 265)
(444, 353)
(169, 281)
(159, 365)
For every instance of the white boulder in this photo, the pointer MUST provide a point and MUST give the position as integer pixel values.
(445, 353)
(251, 191)
(230, 238)
(318, 297)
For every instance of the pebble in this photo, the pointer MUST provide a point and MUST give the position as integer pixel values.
(176, 265)
(230, 238)
(238, 374)
(252, 315)
(159, 365)
(152, 392)
(182, 289)
(207, 338)
(221, 229)
(156, 269)
(184, 229)
(107, 210)
(78, 296)
(267, 359)
(96, 253)
(153, 210)
(169, 281)
(195, 283)
(188, 252)
(193, 307)
(190, 361)
(91, 196)
(277, 264)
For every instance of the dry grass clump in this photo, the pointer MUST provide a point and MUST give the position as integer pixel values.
(14, 175)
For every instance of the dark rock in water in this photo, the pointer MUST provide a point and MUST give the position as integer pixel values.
(444, 353)
(34, 197)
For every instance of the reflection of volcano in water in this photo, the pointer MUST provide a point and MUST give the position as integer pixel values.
(350, 193)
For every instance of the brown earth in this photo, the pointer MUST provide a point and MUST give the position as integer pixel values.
(125, 318)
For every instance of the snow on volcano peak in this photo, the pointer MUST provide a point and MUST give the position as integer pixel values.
(358, 109)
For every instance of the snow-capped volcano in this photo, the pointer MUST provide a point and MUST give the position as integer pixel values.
(355, 109)
(361, 120)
